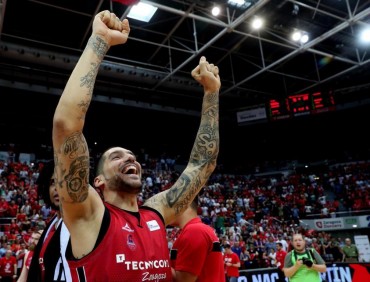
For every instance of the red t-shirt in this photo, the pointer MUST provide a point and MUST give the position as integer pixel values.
(197, 250)
(280, 257)
(232, 271)
(131, 250)
(7, 266)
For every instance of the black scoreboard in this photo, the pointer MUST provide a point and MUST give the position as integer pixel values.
(301, 104)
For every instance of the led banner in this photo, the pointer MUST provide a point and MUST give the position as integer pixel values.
(339, 272)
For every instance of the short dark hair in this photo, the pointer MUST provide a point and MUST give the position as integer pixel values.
(227, 246)
(43, 181)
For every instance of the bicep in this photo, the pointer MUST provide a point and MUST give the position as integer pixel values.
(318, 258)
(72, 165)
(288, 261)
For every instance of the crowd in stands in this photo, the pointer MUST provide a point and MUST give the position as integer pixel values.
(251, 213)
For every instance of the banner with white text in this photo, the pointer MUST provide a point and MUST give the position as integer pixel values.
(336, 272)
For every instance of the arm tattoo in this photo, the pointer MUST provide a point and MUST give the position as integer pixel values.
(203, 156)
(99, 46)
(206, 144)
(76, 177)
(174, 194)
(88, 81)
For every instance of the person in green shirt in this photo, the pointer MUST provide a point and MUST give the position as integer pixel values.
(301, 264)
(350, 251)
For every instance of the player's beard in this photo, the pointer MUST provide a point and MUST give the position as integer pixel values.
(121, 183)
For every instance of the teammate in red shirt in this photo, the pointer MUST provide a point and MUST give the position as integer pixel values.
(196, 254)
(232, 264)
(113, 239)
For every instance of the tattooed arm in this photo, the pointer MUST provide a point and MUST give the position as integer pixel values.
(80, 203)
(203, 157)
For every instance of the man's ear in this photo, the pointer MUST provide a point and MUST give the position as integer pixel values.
(98, 182)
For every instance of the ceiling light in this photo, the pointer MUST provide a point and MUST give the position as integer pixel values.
(236, 2)
(142, 12)
(365, 35)
(296, 36)
(216, 10)
(242, 4)
(304, 38)
(257, 23)
(300, 36)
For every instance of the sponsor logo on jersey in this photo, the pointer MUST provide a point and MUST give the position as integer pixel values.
(154, 277)
(120, 258)
(142, 265)
(127, 228)
(130, 242)
(153, 225)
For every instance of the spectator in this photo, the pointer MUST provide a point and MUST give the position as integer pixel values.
(232, 264)
(4, 247)
(284, 243)
(20, 255)
(272, 257)
(280, 258)
(350, 251)
(35, 237)
(8, 267)
(301, 264)
(245, 260)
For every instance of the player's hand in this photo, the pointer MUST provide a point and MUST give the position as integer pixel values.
(207, 75)
(111, 28)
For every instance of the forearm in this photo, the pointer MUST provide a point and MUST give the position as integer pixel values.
(77, 95)
(290, 271)
(319, 267)
(206, 145)
(203, 157)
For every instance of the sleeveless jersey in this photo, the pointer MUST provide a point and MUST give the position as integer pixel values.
(53, 259)
(133, 248)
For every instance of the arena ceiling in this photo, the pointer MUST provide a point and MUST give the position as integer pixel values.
(41, 41)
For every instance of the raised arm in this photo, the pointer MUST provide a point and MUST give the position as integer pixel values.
(203, 157)
(79, 201)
